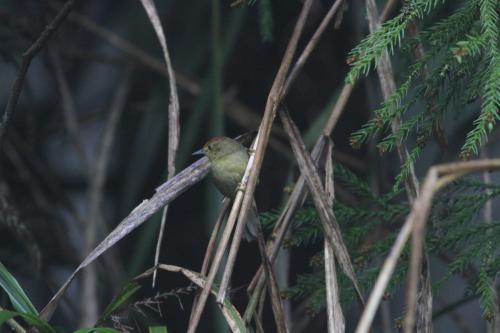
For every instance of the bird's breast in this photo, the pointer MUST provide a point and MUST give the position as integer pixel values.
(227, 173)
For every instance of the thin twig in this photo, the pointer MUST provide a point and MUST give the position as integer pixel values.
(134, 52)
(173, 114)
(165, 193)
(211, 244)
(388, 9)
(386, 78)
(331, 229)
(249, 181)
(97, 181)
(230, 313)
(418, 276)
(69, 109)
(311, 45)
(26, 59)
(277, 306)
(219, 254)
(252, 171)
(298, 192)
(335, 318)
(493, 326)
(296, 198)
(437, 177)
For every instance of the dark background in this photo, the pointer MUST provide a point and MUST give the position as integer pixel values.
(44, 188)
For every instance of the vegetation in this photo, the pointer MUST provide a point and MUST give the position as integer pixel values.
(93, 96)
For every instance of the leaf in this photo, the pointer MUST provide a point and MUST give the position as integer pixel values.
(165, 193)
(158, 329)
(32, 320)
(173, 112)
(127, 291)
(18, 297)
(173, 107)
(331, 228)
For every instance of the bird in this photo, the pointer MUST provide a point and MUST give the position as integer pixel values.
(228, 159)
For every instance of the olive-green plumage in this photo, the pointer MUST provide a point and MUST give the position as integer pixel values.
(228, 159)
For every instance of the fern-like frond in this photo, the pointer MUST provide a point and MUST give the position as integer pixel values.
(485, 122)
(367, 54)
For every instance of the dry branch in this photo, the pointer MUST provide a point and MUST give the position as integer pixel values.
(255, 161)
(331, 228)
(249, 181)
(173, 114)
(335, 318)
(211, 245)
(274, 294)
(68, 108)
(311, 45)
(98, 174)
(165, 194)
(437, 177)
(298, 195)
(230, 313)
(26, 59)
(419, 276)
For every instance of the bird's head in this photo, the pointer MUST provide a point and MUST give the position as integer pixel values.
(219, 147)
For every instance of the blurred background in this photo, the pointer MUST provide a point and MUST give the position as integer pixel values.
(101, 79)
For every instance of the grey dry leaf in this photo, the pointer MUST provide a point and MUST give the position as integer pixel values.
(173, 113)
(319, 196)
(165, 193)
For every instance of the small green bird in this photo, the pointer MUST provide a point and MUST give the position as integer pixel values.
(228, 159)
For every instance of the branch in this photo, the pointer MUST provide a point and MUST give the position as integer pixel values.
(165, 194)
(173, 114)
(335, 318)
(331, 229)
(437, 177)
(251, 172)
(98, 175)
(26, 59)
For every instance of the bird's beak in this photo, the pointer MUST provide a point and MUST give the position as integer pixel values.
(199, 152)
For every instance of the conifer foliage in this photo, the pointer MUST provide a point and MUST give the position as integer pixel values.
(458, 75)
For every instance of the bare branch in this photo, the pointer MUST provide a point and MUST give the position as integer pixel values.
(277, 306)
(164, 195)
(249, 180)
(437, 177)
(252, 171)
(26, 59)
(98, 175)
(329, 223)
(211, 245)
(230, 313)
(296, 198)
(335, 318)
(69, 109)
(311, 45)
(418, 276)
(173, 114)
